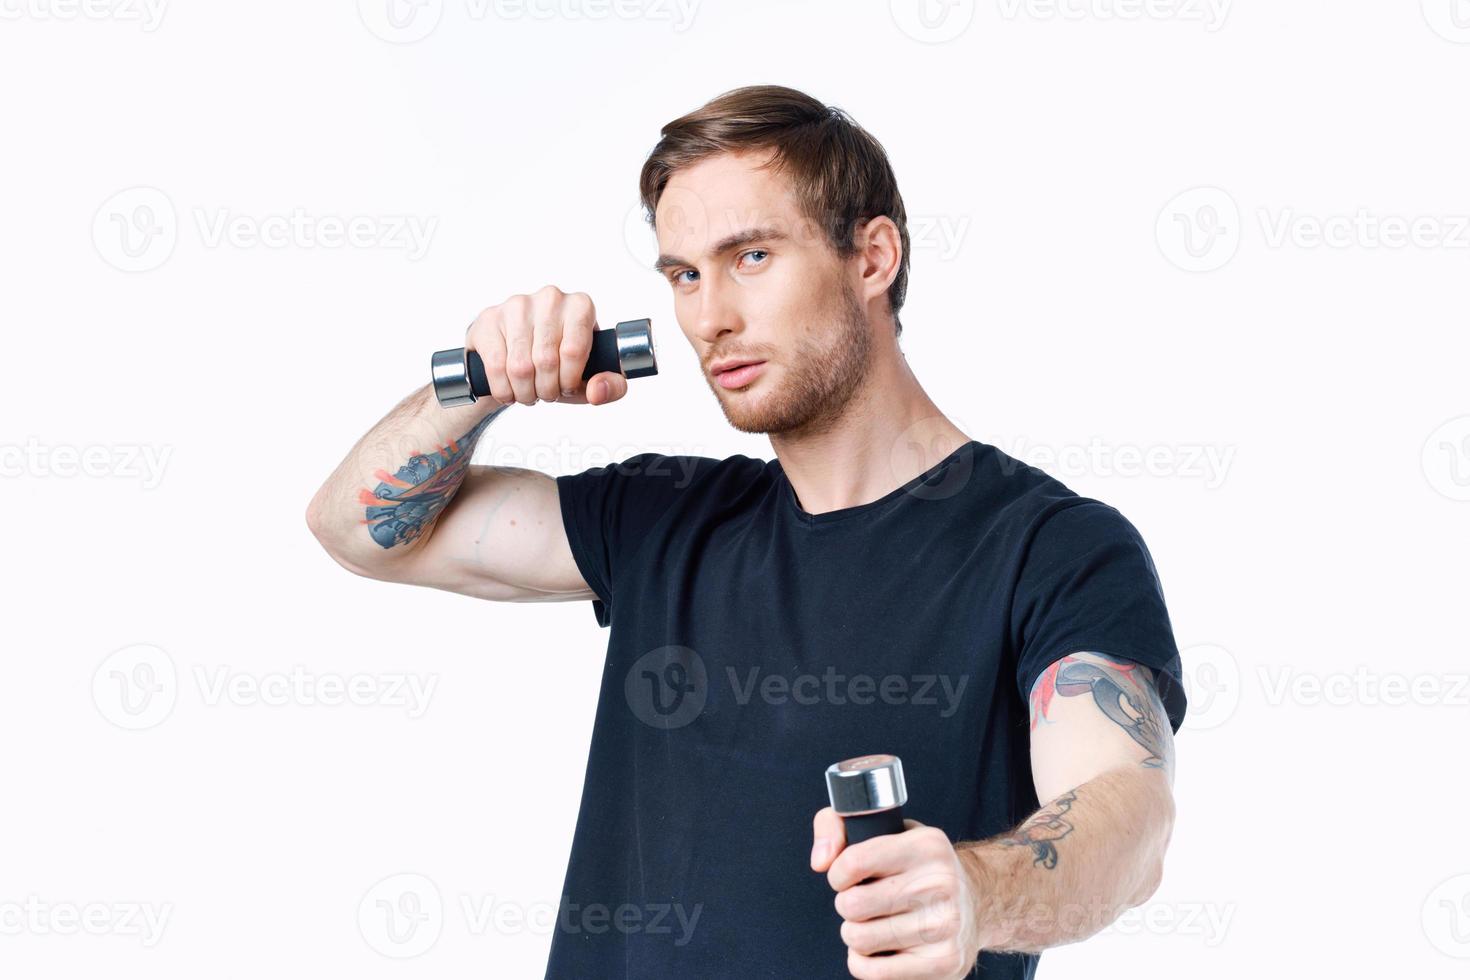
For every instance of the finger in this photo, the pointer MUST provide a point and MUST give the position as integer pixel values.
(828, 838)
(876, 857)
(608, 386)
(579, 319)
(884, 966)
(519, 369)
(875, 899)
(546, 356)
(489, 343)
(910, 930)
(910, 964)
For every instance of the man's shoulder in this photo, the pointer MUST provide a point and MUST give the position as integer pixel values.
(1028, 499)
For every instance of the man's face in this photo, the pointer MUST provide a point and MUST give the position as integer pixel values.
(754, 281)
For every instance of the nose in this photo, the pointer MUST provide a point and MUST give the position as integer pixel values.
(716, 317)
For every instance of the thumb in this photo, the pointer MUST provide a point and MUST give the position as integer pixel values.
(606, 386)
(828, 838)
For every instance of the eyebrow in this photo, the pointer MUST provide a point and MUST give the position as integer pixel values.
(724, 245)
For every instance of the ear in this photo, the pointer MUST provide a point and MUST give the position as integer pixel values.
(880, 248)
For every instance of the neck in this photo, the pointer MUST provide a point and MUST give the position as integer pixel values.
(888, 433)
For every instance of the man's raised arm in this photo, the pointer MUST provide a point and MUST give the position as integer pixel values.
(405, 505)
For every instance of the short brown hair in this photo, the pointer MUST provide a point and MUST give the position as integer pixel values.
(839, 171)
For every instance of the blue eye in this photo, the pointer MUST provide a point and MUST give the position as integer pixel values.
(757, 251)
(676, 279)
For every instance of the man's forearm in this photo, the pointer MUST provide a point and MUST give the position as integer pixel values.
(1075, 865)
(385, 496)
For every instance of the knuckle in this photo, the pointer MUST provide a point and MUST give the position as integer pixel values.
(546, 358)
(520, 367)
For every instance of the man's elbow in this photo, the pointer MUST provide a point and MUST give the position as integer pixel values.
(1159, 820)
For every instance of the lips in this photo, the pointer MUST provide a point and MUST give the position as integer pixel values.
(737, 373)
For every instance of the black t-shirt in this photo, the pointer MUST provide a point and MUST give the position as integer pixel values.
(753, 644)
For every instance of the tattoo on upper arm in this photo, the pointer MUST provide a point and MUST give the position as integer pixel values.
(1124, 692)
(406, 503)
(1043, 829)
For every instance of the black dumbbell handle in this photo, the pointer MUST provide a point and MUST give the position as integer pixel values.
(603, 357)
(864, 826)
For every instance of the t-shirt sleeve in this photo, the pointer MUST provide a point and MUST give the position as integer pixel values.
(1087, 583)
(609, 512)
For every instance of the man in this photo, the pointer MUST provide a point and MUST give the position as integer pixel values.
(886, 584)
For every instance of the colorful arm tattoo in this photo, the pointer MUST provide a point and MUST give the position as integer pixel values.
(405, 504)
(1123, 692)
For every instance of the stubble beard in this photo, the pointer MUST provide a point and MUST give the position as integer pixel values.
(818, 384)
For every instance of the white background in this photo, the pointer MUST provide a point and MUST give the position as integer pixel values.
(1075, 300)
